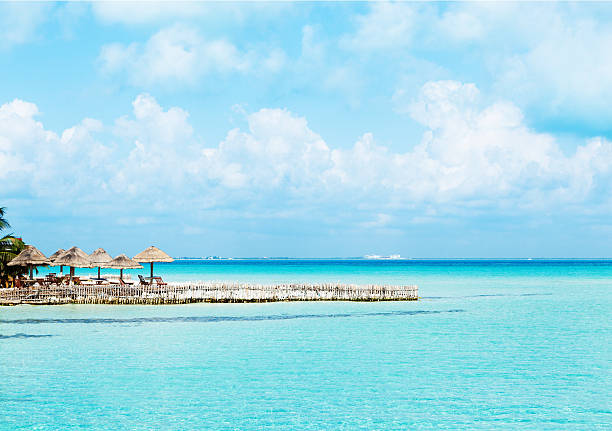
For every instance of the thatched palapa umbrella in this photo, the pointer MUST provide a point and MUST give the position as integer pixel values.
(54, 256)
(74, 258)
(98, 258)
(30, 257)
(152, 254)
(122, 262)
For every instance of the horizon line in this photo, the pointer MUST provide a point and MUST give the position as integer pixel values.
(382, 258)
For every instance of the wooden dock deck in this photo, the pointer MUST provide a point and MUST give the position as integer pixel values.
(183, 293)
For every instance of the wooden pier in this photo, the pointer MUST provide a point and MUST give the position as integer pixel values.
(183, 293)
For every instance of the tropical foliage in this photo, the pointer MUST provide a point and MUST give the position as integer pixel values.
(9, 248)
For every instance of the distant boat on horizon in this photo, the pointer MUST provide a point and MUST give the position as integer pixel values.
(203, 258)
(378, 257)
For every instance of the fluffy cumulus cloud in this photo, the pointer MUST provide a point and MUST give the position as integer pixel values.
(551, 59)
(181, 54)
(471, 154)
(279, 151)
(39, 162)
(154, 149)
(487, 152)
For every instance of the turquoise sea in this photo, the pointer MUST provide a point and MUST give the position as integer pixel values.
(490, 345)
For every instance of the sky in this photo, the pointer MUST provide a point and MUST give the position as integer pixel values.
(309, 129)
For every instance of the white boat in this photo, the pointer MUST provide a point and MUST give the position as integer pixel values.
(378, 257)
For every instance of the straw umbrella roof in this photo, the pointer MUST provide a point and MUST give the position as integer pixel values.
(56, 254)
(29, 256)
(99, 257)
(152, 254)
(74, 257)
(122, 262)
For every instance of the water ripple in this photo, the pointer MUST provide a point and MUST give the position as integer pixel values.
(21, 335)
(207, 319)
(486, 295)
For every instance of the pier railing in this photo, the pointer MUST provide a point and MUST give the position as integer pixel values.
(177, 293)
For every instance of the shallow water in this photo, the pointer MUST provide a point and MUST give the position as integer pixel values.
(491, 345)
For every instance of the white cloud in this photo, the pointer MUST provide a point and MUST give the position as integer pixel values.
(385, 26)
(181, 54)
(154, 125)
(380, 221)
(490, 152)
(155, 150)
(482, 154)
(138, 13)
(275, 61)
(549, 58)
(176, 53)
(460, 25)
(40, 162)
(20, 21)
(470, 155)
(135, 12)
(313, 50)
(410, 26)
(20, 137)
(566, 69)
(278, 151)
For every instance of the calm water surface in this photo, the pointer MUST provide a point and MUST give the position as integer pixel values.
(491, 345)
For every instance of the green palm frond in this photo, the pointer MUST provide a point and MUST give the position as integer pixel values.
(10, 247)
(4, 224)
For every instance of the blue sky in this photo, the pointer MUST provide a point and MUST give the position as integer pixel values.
(309, 129)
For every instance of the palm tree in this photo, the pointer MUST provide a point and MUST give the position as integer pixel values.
(3, 223)
(5, 241)
(9, 248)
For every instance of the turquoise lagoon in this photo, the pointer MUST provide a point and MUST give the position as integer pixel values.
(490, 345)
